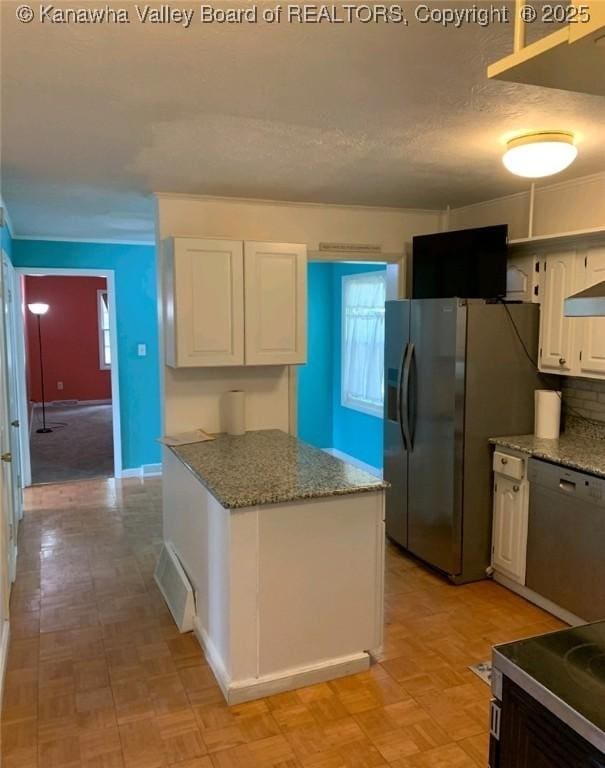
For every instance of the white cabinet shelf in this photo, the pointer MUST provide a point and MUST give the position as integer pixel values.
(230, 303)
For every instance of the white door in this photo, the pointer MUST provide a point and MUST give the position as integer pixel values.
(276, 303)
(18, 430)
(11, 494)
(556, 330)
(592, 329)
(208, 293)
(510, 527)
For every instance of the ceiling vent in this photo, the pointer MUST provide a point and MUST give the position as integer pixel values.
(365, 249)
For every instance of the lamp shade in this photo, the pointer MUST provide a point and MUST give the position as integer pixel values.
(38, 308)
(536, 155)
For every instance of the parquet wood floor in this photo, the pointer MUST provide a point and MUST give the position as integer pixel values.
(98, 676)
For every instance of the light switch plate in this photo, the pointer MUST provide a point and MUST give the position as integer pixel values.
(142, 350)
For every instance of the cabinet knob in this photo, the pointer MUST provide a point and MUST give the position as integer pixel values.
(516, 488)
(6, 456)
(504, 461)
(562, 361)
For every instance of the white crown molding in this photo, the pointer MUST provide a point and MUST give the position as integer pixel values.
(578, 181)
(7, 218)
(481, 203)
(290, 203)
(93, 241)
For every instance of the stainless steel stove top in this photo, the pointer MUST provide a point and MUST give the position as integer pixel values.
(565, 671)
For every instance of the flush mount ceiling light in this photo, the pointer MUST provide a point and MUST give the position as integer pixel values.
(539, 154)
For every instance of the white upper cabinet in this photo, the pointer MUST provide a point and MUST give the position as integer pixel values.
(204, 302)
(232, 303)
(574, 346)
(557, 331)
(522, 281)
(276, 303)
(592, 329)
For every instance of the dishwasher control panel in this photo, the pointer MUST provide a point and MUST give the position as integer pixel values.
(580, 485)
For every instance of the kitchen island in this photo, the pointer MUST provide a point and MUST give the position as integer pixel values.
(284, 547)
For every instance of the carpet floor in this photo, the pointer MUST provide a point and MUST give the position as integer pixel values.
(79, 447)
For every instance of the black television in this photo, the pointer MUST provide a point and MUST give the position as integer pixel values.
(469, 263)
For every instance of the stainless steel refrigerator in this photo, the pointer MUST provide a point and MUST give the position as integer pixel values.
(456, 374)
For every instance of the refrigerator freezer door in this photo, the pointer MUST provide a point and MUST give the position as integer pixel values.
(436, 407)
(397, 335)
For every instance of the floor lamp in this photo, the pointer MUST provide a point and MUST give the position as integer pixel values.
(38, 309)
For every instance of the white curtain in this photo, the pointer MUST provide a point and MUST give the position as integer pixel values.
(363, 340)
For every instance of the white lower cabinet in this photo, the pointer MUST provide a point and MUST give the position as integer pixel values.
(510, 516)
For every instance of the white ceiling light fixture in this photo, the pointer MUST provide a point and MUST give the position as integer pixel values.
(538, 154)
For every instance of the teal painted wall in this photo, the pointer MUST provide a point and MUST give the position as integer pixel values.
(315, 378)
(136, 310)
(322, 420)
(353, 432)
(6, 241)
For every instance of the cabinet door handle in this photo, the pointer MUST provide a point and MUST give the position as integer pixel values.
(562, 361)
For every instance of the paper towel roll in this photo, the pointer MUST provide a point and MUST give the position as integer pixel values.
(547, 414)
(235, 412)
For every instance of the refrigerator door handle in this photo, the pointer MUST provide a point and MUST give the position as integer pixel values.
(399, 396)
(405, 421)
(412, 409)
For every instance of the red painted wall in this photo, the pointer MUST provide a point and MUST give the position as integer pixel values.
(70, 339)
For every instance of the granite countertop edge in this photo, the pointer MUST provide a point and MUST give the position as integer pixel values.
(241, 498)
(588, 458)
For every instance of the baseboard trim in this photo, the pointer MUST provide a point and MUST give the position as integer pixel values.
(240, 691)
(541, 602)
(145, 470)
(212, 657)
(3, 656)
(355, 462)
(70, 402)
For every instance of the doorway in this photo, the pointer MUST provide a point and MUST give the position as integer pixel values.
(340, 389)
(69, 375)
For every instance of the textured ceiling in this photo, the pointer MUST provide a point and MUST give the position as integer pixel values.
(95, 118)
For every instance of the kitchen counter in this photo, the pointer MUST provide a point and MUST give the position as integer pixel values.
(283, 545)
(565, 672)
(270, 467)
(574, 449)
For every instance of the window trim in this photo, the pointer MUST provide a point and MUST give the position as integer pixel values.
(355, 404)
(103, 366)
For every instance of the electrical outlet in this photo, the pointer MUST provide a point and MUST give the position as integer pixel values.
(142, 350)
(59, 385)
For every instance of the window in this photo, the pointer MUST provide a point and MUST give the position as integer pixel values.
(104, 343)
(362, 377)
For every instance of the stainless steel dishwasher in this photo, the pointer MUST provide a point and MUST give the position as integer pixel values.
(566, 538)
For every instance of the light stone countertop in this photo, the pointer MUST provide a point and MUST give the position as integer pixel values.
(577, 450)
(270, 467)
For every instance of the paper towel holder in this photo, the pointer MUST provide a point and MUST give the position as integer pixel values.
(234, 412)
